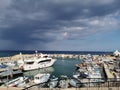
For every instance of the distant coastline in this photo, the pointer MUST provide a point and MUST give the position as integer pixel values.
(4, 53)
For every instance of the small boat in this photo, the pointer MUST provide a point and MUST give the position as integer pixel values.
(11, 63)
(41, 78)
(53, 82)
(1, 82)
(75, 83)
(2, 65)
(76, 75)
(83, 75)
(20, 82)
(10, 72)
(64, 82)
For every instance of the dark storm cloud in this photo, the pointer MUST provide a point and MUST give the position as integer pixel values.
(28, 22)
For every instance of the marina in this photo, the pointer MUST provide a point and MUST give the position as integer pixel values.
(67, 71)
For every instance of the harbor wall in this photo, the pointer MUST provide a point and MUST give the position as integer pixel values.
(63, 56)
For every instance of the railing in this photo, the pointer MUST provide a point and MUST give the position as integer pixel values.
(107, 84)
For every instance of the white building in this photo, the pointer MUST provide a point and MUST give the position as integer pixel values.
(116, 53)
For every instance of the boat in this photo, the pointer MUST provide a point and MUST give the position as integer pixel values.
(37, 62)
(75, 83)
(18, 82)
(1, 82)
(11, 63)
(76, 75)
(41, 78)
(64, 82)
(53, 82)
(10, 72)
(2, 66)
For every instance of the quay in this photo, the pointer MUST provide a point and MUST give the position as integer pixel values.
(10, 88)
(107, 71)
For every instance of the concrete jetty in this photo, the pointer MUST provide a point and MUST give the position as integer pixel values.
(108, 73)
(10, 88)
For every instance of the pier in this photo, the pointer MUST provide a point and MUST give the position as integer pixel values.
(108, 73)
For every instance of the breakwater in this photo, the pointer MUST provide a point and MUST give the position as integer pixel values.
(63, 56)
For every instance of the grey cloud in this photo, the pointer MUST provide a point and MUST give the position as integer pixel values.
(28, 22)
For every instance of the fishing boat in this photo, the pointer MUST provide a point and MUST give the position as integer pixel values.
(53, 82)
(41, 78)
(37, 62)
(20, 82)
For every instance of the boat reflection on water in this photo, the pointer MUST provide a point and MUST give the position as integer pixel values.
(32, 73)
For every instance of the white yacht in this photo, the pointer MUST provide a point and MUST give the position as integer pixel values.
(38, 62)
(41, 78)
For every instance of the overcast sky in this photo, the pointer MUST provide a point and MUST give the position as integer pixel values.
(81, 25)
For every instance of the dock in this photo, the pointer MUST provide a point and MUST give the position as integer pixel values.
(10, 88)
(107, 71)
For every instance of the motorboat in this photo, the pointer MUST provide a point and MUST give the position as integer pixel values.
(75, 83)
(41, 78)
(11, 63)
(20, 82)
(10, 72)
(37, 62)
(1, 82)
(64, 82)
(53, 82)
(76, 75)
(2, 66)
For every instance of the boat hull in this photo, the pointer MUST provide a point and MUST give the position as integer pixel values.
(38, 66)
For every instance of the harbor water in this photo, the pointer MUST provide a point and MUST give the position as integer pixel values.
(61, 67)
